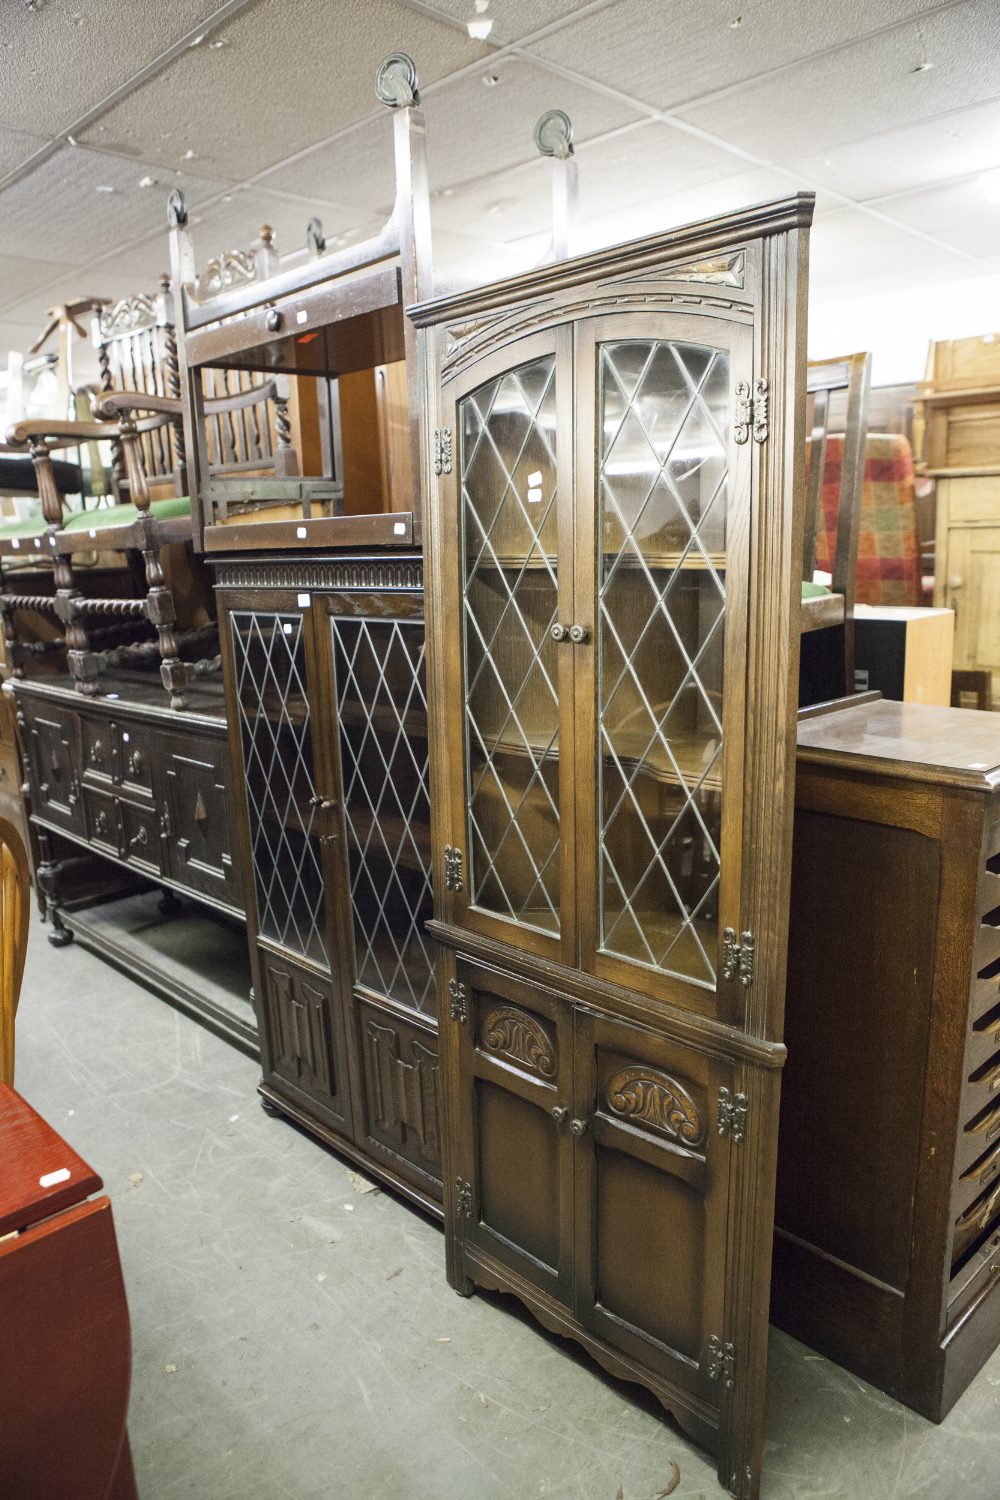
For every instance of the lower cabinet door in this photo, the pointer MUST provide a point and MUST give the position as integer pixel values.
(198, 829)
(515, 1183)
(651, 1198)
(302, 1041)
(402, 1126)
(53, 747)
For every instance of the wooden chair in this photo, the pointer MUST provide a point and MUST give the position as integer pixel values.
(15, 897)
(827, 618)
(139, 412)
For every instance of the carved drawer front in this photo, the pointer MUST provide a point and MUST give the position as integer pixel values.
(198, 834)
(303, 1039)
(53, 747)
(401, 1092)
(142, 837)
(103, 821)
(139, 747)
(99, 741)
(651, 1206)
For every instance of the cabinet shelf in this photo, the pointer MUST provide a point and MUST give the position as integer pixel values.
(690, 752)
(414, 721)
(408, 844)
(665, 562)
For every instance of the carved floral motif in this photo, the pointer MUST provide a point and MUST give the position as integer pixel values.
(231, 268)
(646, 1094)
(129, 316)
(514, 1034)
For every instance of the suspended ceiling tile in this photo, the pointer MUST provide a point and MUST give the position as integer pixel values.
(513, 19)
(356, 168)
(65, 209)
(953, 144)
(19, 275)
(665, 54)
(866, 89)
(285, 77)
(59, 61)
(17, 147)
(629, 167)
(234, 221)
(962, 214)
(850, 252)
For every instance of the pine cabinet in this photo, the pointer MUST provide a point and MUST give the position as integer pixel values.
(325, 663)
(612, 564)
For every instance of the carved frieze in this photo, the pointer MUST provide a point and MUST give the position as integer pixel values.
(230, 269)
(129, 316)
(651, 1097)
(346, 573)
(520, 1038)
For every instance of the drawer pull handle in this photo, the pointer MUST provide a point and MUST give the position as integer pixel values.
(135, 762)
(102, 822)
(96, 752)
(559, 1113)
(577, 1127)
(142, 838)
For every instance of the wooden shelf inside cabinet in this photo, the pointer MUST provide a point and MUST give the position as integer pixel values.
(408, 843)
(414, 721)
(692, 764)
(657, 562)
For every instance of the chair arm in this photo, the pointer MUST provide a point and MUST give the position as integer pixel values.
(111, 404)
(52, 434)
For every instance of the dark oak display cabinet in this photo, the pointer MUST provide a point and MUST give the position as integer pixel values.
(328, 723)
(613, 558)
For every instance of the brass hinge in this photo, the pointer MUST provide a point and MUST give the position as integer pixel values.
(463, 1198)
(442, 450)
(452, 868)
(738, 957)
(732, 1114)
(750, 411)
(459, 1003)
(721, 1362)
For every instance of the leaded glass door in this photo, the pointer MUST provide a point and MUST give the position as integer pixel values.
(510, 868)
(664, 490)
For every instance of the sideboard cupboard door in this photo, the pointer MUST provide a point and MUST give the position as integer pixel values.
(303, 1038)
(509, 868)
(53, 736)
(197, 829)
(663, 495)
(651, 1196)
(514, 1186)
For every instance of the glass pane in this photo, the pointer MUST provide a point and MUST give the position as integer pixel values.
(270, 670)
(382, 711)
(508, 472)
(662, 472)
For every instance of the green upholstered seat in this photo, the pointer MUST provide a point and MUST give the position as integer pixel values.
(814, 590)
(28, 526)
(124, 515)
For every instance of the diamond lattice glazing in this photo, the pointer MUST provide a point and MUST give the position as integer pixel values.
(508, 469)
(382, 711)
(269, 658)
(662, 495)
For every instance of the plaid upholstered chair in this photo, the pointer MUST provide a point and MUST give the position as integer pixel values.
(888, 560)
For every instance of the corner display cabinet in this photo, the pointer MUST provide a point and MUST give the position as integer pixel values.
(328, 730)
(613, 570)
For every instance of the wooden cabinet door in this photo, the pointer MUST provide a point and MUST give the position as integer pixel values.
(514, 1154)
(651, 1197)
(973, 592)
(508, 866)
(663, 483)
(54, 750)
(198, 836)
(302, 1040)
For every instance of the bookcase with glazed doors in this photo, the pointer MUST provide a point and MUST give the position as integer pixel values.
(612, 556)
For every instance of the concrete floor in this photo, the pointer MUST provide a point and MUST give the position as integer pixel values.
(295, 1338)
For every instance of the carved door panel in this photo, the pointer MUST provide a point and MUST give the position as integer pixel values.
(651, 1195)
(515, 1180)
(304, 1049)
(197, 825)
(400, 1093)
(54, 751)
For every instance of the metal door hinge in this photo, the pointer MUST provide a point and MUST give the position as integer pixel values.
(452, 868)
(459, 1003)
(442, 450)
(738, 957)
(732, 1114)
(721, 1362)
(463, 1198)
(750, 412)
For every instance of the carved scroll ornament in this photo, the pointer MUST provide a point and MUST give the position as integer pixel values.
(512, 1033)
(656, 1099)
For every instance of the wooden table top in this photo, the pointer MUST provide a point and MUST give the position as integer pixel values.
(39, 1174)
(953, 746)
